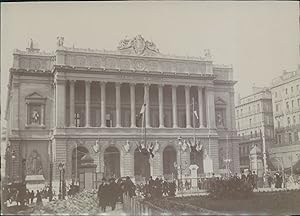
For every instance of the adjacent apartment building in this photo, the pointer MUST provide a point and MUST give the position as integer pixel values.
(286, 105)
(254, 120)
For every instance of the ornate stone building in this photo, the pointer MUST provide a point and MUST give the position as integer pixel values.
(75, 101)
(254, 120)
(285, 90)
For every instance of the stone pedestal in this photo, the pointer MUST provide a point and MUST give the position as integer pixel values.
(256, 161)
(194, 176)
(87, 173)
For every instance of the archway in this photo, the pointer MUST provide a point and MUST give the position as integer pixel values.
(196, 157)
(77, 154)
(112, 162)
(169, 160)
(141, 164)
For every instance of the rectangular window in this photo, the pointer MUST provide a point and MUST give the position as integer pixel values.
(296, 136)
(287, 105)
(275, 94)
(279, 139)
(288, 120)
(294, 119)
(290, 138)
(77, 119)
(292, 104)
(286, 91)
(250, 122)
(292, 89)
(277, 107)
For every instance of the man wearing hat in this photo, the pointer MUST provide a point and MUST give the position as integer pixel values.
(103, 194)
(114, 189)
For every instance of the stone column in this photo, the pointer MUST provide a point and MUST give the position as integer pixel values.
(210, 107)
(132, 105)
(87, 102)
(103, 104)
(118, 104)
(174, 106)
(161, 106)
(60, 103)
(200, 102)
(188, 107)
(72, 103)
(147, 101)
(43, 114)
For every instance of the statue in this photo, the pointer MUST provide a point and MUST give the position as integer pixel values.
(220, 119)
(138, 44)
(60, 41)
(126, 146)
(34, 165)
(35, 117)
(207, 53)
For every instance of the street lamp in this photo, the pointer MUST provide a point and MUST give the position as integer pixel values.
(60, 168)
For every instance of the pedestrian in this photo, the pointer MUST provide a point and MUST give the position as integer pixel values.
(114, 193)
(31, 196)
(165, 188)
(270, 180)
(255, 179)
(39, 200)
(172, 189)
(103, 195)
(151, 186)
(129, 187)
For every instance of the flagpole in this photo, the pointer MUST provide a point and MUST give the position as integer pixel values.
(145, 138)
(194, 120)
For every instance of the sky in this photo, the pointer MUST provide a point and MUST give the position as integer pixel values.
(259, 39)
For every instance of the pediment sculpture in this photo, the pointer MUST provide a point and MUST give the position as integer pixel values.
(138, 44)
(34, 164)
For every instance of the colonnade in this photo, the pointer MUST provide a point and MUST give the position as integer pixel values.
(206, 106)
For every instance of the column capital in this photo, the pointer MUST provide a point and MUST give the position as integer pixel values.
(132, 84)
(118, 84)
(187, 86)
(87, 82)
(147, 84)
(200, 87)
(72, 81)
(60, 82)
(174, 86)
(160, 85)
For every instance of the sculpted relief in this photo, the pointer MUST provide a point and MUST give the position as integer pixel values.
(34, 164)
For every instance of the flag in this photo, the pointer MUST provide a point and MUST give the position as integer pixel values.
(196, 114)
(142, 110)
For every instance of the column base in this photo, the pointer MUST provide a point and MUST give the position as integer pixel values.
(133, 126)
(189, 126)
(202, 126)
(103, 126)
(118, 126)
(175, 126)
(161, 126)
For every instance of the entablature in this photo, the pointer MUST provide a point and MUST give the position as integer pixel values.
(136, 76)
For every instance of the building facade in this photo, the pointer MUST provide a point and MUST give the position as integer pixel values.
(286, 105)
(254, 120)
(75, 101)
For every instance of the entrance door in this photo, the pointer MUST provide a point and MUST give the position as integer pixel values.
(169, 159)
(77, 154)
(197, 158)
(141, 164)
(111, 162)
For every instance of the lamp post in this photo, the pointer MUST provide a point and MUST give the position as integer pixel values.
(51, 169)
(180, 166)
(60, 168)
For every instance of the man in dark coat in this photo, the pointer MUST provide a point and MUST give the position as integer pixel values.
(103, 194)
(114, 193)
(129, 187)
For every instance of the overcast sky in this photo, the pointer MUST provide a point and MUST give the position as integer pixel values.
(260, 39)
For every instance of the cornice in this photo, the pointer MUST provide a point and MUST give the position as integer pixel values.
(63, 68)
